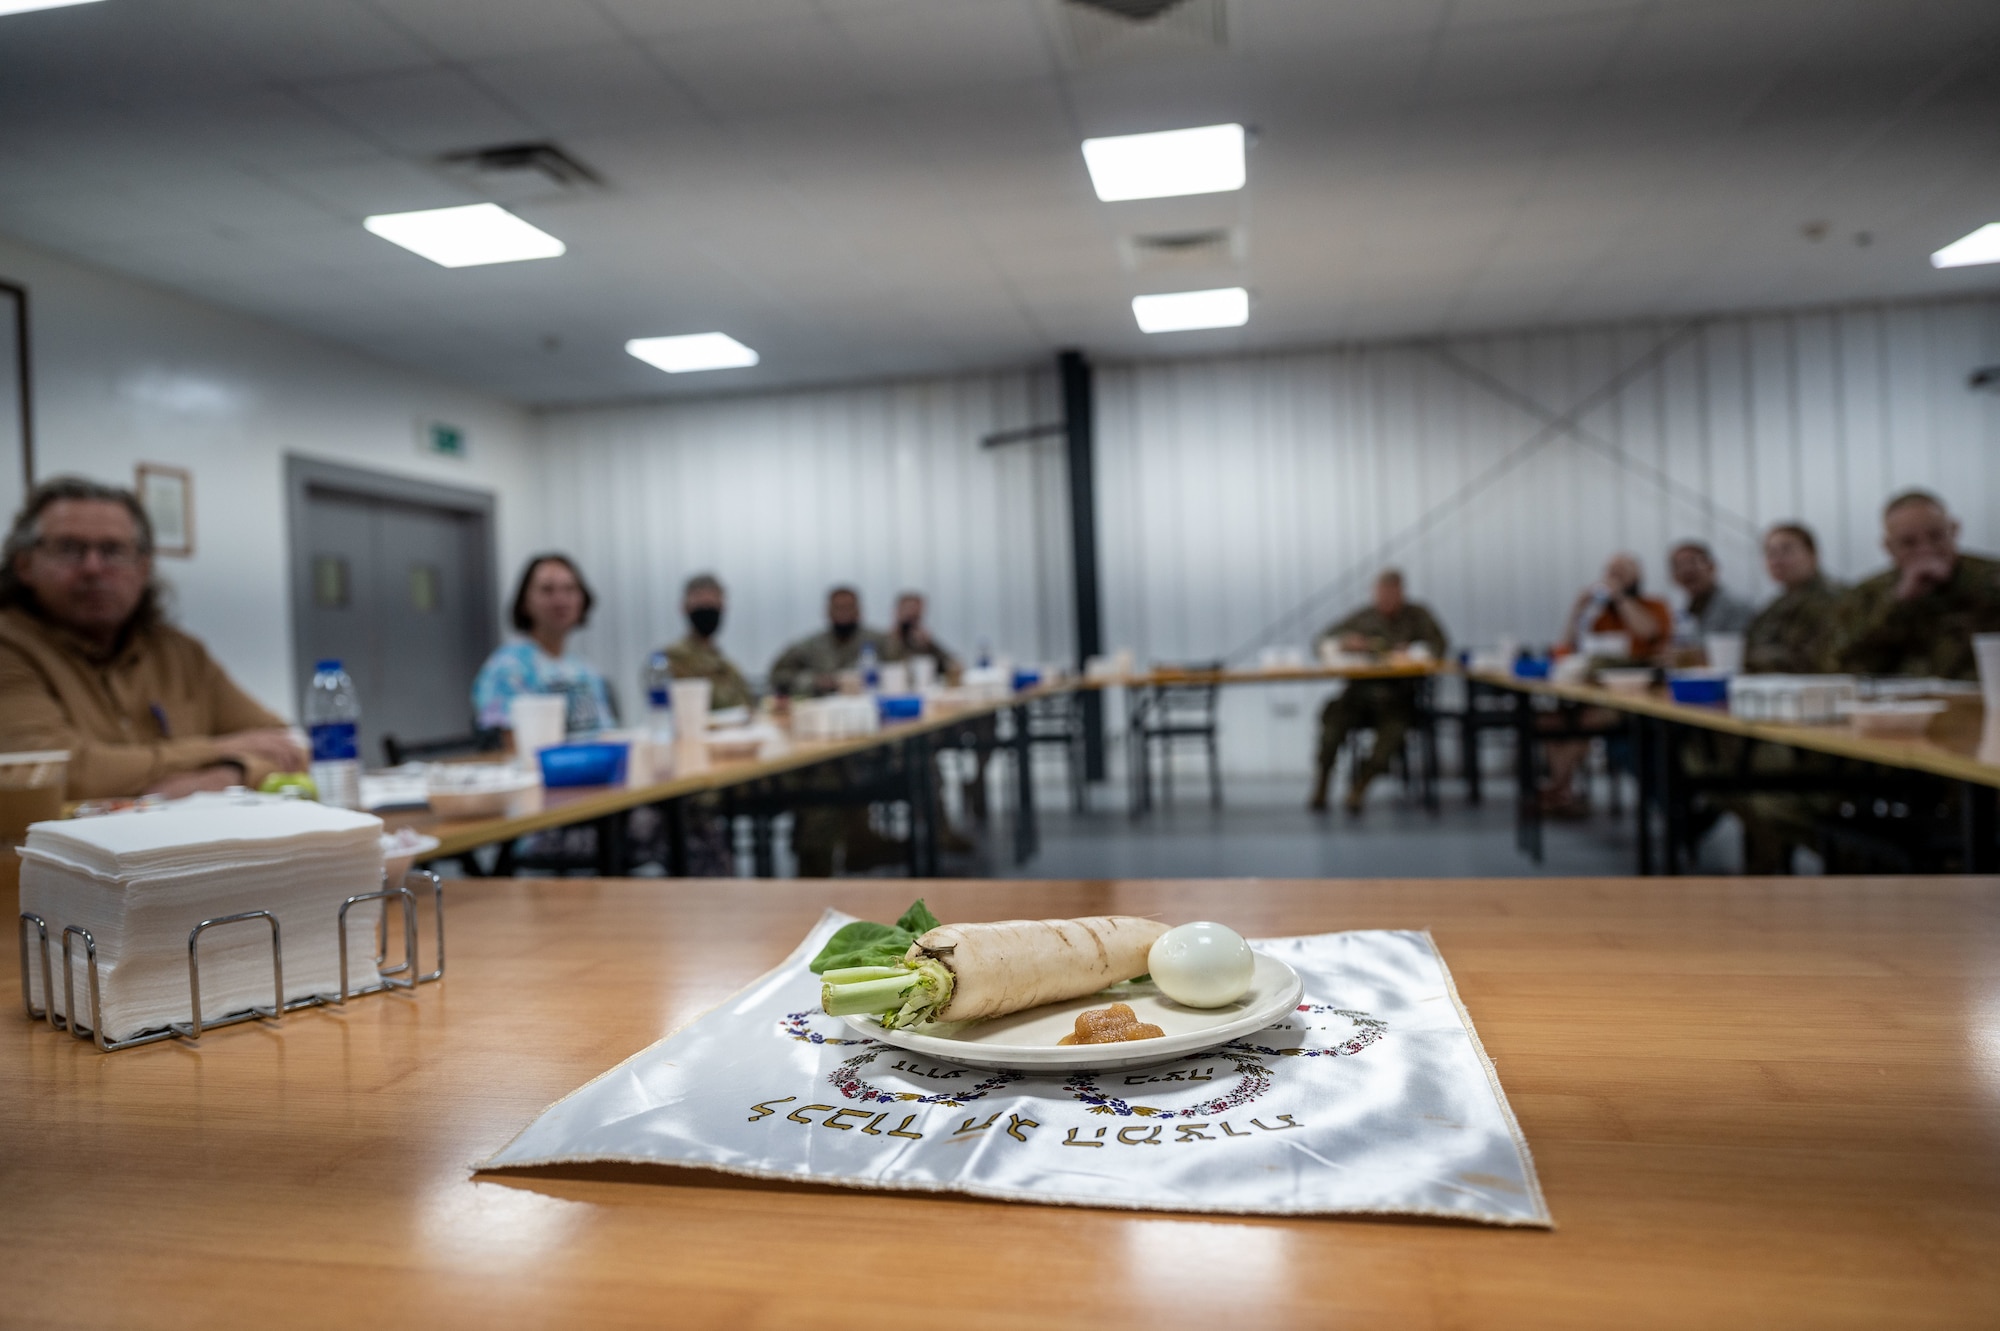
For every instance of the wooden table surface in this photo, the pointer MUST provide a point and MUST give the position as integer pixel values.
(1762, 1103)
(1958, 743)
(695, 772)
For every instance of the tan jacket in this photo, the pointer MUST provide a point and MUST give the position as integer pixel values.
(56, 693)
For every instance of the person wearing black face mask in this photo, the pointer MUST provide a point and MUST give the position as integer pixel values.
(813, 665)
(696, 656)
(912, 638)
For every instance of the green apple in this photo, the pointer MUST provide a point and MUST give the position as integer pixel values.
(279, 782)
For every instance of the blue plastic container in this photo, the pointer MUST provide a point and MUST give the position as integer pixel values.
(1699, 689)
(900, 706)
(1026, 679)
(588, 764)
(1527, 667)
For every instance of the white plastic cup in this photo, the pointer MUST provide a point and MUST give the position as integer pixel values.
(1986, 651)
(923, 673)
(894, 676)
(690, 703)
(1725, 652)
(538, 720)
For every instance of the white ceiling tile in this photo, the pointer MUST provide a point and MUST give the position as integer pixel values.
(597, 88)
(873, 187)
(463, 32)
(426, 111)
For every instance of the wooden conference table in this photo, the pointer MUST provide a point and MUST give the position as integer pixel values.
(1760, 1103)
(1960, 745)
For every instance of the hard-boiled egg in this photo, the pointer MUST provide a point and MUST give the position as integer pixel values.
(1202, 964)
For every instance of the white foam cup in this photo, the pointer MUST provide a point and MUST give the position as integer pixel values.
(689, 698)
(923, 673)
(1725, 652)
(1986, 651)
(538, 720)
(894, 676)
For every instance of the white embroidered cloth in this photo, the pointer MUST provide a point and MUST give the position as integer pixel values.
(1375, 1096)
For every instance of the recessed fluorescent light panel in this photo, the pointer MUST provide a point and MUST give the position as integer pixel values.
(1180, 311)
(1982, 246)
(692, 351)
(466, 237)
(23, 6)
(1208, 160)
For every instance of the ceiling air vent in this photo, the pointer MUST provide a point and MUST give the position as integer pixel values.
(1136, 10)
(1122, 31)
(1182, 251)
(515, 171)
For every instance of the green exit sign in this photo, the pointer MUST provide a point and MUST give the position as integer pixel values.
(444, 440)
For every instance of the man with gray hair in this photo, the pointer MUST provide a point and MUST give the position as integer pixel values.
(88, 663)
(696, 656)
(1918, 616)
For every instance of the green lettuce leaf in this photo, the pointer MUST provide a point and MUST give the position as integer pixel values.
(863, 943)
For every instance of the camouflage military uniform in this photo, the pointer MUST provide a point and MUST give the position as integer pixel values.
(895, 649)
(1793, 633)
(1387, 706)
(819, 831)
(1931, 634)
(797, 668)
(699, 658)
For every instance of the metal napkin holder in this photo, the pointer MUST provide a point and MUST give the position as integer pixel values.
(401, 976)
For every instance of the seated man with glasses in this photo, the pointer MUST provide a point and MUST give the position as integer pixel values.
(88, 664)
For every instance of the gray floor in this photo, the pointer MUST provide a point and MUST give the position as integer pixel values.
(1264, 831)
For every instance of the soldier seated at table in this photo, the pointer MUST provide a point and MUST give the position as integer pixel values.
(912, 638)
(1388, 623)
(1915, 618)
(696, 656)
(813, 665)
(1918, 616)
(88, 662)
(1791, 635)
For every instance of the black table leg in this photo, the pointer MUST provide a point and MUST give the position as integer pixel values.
(1027, 837)
(1981, 805)
(1644, 757)
(763, 860)
(923, 822)
(1528, 797)
(1468, 741)
(1674, 796)
(614, 853)
(673, 827)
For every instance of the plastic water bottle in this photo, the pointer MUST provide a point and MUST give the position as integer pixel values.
(871, 673)
(659, 698)
(333, 720)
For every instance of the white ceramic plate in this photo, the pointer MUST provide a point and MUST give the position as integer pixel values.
(1026, 1041)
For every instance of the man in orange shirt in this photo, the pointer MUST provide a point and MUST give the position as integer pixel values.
(1616, 603)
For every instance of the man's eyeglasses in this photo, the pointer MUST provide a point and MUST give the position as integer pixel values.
(111, 554)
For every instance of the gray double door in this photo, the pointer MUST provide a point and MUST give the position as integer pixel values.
(393, 578)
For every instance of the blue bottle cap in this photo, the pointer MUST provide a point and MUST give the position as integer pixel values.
(327, 665)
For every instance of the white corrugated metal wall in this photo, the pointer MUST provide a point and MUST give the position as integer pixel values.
(884, 487)
(1244, 502)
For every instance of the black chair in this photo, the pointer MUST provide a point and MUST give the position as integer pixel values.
(1171, 713)
(1058, 721)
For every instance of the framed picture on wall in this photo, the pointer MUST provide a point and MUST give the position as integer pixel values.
(167, 495)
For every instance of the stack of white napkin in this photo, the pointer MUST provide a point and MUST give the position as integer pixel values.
(140, 881)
